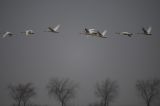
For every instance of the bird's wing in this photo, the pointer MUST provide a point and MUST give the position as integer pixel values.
(125, 33)
(56, 28)
(149, 30)
(4, 35)
(86, 30)
(99, 34)
(51, 29)
(92, 31)
(102, 35)
(144, 30)
(27, 33)
(104, 32)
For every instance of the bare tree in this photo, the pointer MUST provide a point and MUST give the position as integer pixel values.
(21, 93)
(149, 90)
(62, 89)
(107, 91)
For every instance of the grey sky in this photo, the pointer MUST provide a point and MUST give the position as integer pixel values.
(68, 54)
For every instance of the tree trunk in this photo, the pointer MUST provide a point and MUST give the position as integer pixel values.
(63, 104)
(105, 103)
(19, 102)
(148, 103)
(24, 103)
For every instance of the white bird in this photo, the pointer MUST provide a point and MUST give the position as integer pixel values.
(29, 32)
(92, 32)
(102, 35)
(7, 34)
(125, 33)
(55, 29)
(147, 31)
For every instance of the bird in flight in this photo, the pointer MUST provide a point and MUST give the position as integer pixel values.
(7, 34)
(102, 35)
(29, 32)
(125, 33)
(91, 32)
(94, 32)
(147, 31)
(54, 29)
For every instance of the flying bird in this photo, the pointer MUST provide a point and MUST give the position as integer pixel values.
(29, 32)
(7, 34)
(147, 31)
(94, 32)
(54, 29)
(102, 35)
(91, 32)
(125, 33)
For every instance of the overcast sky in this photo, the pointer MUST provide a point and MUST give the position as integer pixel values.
(69, 54)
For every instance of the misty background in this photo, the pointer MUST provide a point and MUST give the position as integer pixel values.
(85, 60)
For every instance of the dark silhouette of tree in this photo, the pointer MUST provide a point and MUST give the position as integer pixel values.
(149, 90)
(107, 91)
(62, 89)
(21, 93)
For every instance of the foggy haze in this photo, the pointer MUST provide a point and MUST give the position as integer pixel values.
(69, 54)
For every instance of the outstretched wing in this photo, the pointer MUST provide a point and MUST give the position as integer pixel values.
(149, 30)
(5, 35)
(86, 30)
(56, 28)
(27, 32)
(91, 31)
(144, 30)
(50, 29)
(99, 33)
(104, 32)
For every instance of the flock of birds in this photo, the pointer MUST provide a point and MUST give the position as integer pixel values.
(87, 32)
(31, 32)
(94, 32)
